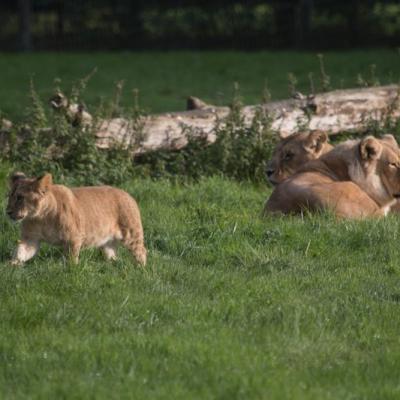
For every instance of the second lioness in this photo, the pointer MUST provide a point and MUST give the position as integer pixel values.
(356, 179)
(293, 152)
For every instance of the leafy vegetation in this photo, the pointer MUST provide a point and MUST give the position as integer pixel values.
(52, 143)
(240, 152)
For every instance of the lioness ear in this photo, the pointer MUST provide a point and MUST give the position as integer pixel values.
(16, 176)
(43, 183)
(370, 148)
(390, 139)
(315, 140)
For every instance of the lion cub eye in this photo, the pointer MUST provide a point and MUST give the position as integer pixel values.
(20, 198)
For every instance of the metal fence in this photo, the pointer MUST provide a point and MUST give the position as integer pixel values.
(179, 24)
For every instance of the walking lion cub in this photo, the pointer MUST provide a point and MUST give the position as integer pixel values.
(75, 218)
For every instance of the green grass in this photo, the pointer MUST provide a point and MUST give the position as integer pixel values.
(166, 79)
(230, 306)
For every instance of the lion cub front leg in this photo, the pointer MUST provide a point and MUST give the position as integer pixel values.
(25, 250)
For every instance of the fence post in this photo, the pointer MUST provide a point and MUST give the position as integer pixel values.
(24, 10)
(302, 23)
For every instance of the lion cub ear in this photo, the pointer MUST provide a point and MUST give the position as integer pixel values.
(43, 183)
(16, 176)
(370, 148)
(315, 141)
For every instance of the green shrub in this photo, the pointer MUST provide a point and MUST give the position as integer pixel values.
(238, 152)
(49, 142)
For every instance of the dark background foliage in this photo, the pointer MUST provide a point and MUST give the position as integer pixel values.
(189, 24)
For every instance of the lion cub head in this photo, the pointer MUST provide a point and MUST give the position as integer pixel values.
(377, 170)
(27, 196)
(293, 152)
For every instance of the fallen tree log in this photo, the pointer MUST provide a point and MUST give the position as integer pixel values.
(349, 110)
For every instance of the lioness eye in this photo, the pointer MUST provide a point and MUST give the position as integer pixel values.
(288, 156)
(393, 165)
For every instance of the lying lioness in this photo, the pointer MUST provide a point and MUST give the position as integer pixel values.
(98, 216)
(356, 179)
(293, 152)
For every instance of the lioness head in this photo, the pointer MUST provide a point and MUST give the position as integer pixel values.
(27, 196)
(378, 171)
(293, 152)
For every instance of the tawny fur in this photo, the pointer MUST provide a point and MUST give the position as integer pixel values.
(75, 218)
(293, 152)
(357, 179)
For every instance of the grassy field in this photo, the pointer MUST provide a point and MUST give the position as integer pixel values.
(230, 306)
(166, 79)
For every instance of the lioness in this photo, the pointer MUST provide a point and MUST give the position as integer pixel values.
(98, 216)
(356, 179)
(293, 152)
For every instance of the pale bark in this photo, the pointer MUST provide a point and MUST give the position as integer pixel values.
(350, 110)
(333, 112)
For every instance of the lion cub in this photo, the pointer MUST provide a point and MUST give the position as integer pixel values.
(98, 216)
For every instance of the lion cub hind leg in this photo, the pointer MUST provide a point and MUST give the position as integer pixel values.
(110, 251)
(136, 246)
(131, 229)
(132, 239)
